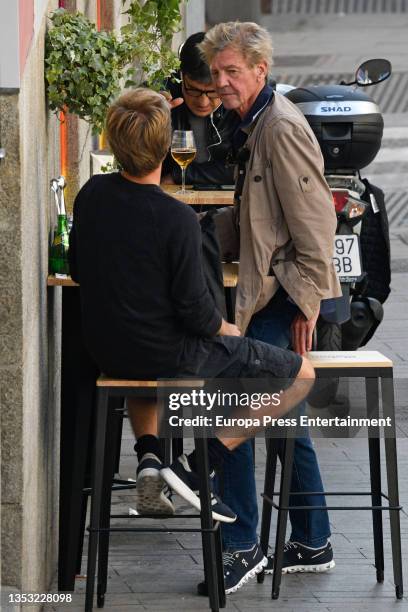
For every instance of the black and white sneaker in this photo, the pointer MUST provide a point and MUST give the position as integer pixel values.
(152, 493)
(300, 558)
(239, 567)
(183, 481)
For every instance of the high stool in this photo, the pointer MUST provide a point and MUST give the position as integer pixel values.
(118, 484)
(374, 367)
(105, 442)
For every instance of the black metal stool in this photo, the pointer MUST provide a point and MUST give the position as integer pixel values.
(101, 490)
(374, 367)
(118, 484)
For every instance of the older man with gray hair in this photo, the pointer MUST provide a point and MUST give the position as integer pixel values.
(282, 229)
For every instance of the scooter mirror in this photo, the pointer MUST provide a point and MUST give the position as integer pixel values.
(373, 71)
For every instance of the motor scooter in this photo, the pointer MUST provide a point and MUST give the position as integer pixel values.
(349, 126)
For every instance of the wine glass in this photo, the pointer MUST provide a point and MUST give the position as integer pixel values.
(183, 151)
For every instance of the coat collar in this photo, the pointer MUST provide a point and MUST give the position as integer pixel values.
(265, 96)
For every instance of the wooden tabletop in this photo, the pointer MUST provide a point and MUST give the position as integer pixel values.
(53, 281)
(104, 381)
(349, 359)
(216, 198)
(230, 273)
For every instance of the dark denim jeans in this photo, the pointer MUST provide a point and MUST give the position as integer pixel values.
(272, 325)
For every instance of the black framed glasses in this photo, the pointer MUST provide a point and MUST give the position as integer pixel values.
(197, 93)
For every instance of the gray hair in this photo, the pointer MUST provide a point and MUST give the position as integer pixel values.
(250, 39)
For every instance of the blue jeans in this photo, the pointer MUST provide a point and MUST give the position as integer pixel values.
(272, 325)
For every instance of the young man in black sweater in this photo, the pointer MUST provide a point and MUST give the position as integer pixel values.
(146, 309)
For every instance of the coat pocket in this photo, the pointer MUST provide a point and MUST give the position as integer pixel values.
(259, 193)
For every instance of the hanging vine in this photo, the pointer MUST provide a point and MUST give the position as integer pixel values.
(86, 68)
(152, 25)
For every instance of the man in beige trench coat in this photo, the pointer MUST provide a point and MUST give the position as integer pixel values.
(282, 230)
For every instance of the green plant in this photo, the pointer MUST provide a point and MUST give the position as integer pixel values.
(152, 24)
(85, 69)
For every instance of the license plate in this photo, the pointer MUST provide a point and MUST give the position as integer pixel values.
(347, 260)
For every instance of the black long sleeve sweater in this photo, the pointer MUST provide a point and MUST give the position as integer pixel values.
(136, 253)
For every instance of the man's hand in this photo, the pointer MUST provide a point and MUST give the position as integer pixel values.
(173, 102)
(302, 332)
(228, 329)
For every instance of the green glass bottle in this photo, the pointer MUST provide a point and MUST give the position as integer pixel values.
(59, 248)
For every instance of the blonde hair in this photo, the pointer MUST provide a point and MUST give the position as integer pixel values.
(138, 130)
(250, 39)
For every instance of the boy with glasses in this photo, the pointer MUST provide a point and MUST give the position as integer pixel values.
(202, 113)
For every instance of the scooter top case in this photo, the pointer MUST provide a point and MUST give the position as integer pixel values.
(347, 123)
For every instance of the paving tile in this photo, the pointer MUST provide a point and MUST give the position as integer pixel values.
(303, 605)
(372, 607)
(355, 600)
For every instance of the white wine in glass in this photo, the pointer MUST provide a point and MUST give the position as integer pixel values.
(183, 151)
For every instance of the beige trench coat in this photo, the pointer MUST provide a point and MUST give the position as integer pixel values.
(287, 220)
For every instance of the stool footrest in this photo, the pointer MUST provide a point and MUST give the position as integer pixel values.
(325, 493)
(382, 508)
(115, 487)
(121, 481)
(156, 516)
(270, 501)
(156, 529)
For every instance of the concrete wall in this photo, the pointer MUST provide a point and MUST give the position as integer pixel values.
(231, 10)
(9, 45)
(40, 314)
(194, 17)
(30, 328)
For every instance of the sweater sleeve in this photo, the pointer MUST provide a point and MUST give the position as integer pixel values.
(192, 301)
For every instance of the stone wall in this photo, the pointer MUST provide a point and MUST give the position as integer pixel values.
(11, 343)
(30, 329)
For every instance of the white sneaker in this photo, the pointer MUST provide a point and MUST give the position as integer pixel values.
(153, 496)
